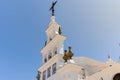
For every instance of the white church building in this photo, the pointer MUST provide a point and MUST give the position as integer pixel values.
(59, 64)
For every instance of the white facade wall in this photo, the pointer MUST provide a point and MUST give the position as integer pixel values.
(106, 74)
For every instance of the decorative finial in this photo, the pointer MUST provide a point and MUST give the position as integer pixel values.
(52, 7)
(38, 75)
(45, 43)
(70, 54)
(59, 31)
(108, 56)
(65, 56)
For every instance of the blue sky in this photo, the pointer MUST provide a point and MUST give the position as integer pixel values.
(92, 28)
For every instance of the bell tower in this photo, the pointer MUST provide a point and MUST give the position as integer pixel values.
(55, 41)
(53, 51)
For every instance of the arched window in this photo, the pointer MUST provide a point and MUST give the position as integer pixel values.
(48, 72)
(45, 60)
(55, 51)
(44, 75)
(54, 68)
(50, 39)
(116, 77)
(50, 56)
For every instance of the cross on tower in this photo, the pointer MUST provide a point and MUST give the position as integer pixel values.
(52, 7)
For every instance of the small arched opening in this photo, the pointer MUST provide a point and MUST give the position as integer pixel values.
(117, 77)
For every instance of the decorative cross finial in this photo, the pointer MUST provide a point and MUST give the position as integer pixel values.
(52, 8)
